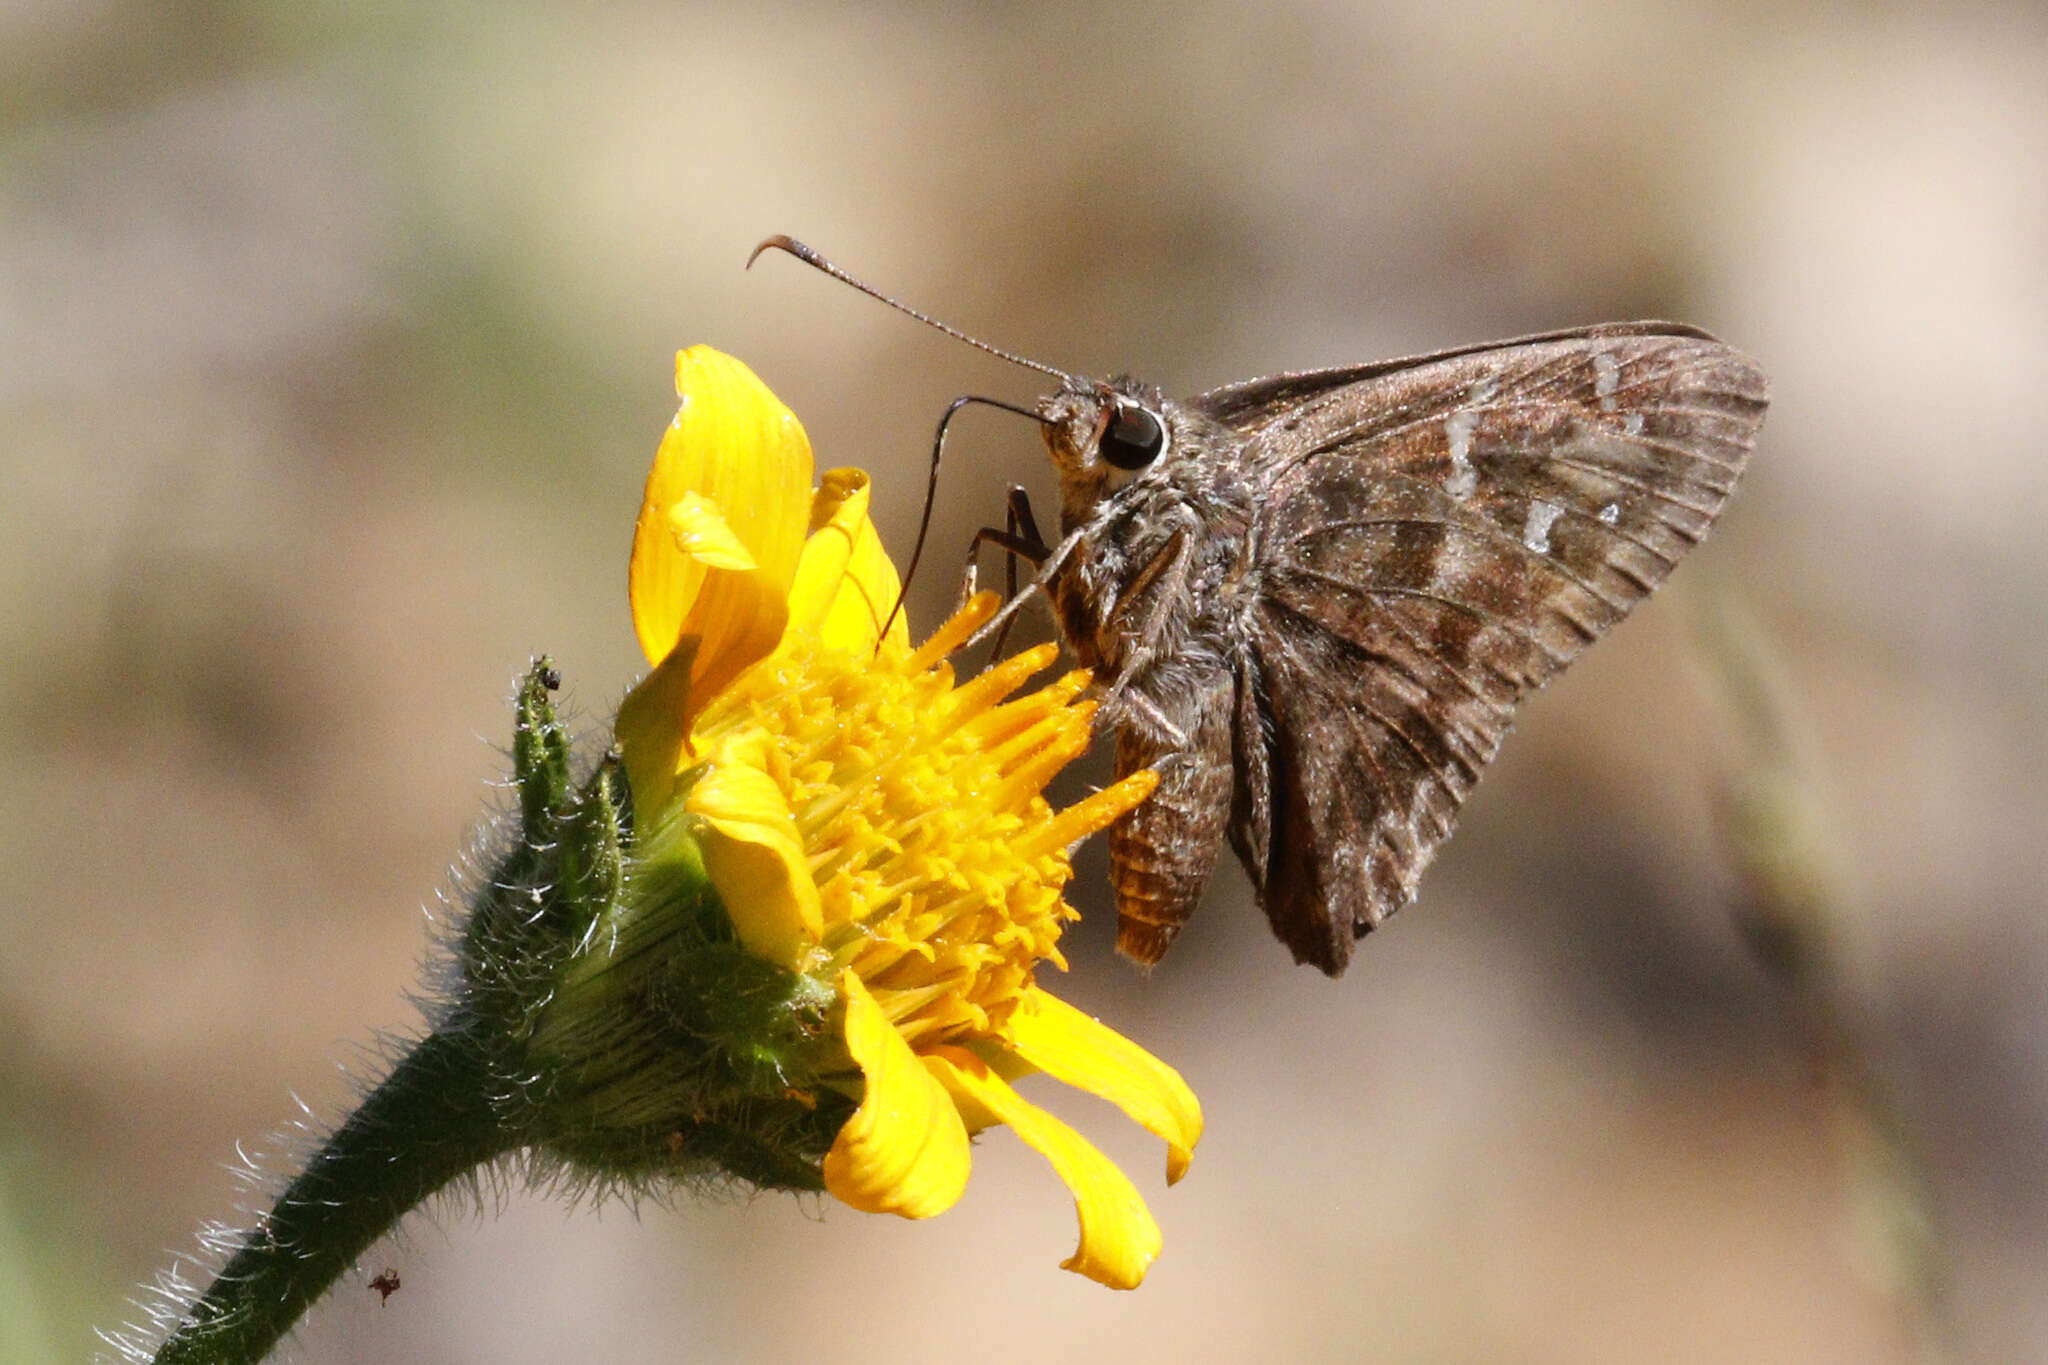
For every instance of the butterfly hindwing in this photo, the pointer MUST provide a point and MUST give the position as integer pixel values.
(1434, 540)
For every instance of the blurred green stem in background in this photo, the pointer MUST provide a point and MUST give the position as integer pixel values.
(1794, 919)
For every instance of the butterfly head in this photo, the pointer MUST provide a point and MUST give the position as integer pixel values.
(1103, 436)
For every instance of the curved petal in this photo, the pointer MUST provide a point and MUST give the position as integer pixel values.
(754, 855)
(1119, 1240)
(735, 449)
(904, 1151)
(701, 533)
(1071, 1047)
(650, 735)
(845, 582)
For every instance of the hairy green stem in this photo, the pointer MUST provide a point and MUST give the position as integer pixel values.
(429, 1123)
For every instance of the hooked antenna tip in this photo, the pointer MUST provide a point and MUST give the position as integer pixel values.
(782, 242)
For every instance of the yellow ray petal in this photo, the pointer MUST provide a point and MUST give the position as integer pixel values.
(650, 734)
(702, 533)
(904, 1151)
(839, 505)
(864, 585)
(845, 582)
(735, 449)
(1119, 1240)
(1075, 1049)
(755, 855)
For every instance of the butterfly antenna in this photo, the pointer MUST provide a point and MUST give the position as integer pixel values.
(931, 493)
(811, 258)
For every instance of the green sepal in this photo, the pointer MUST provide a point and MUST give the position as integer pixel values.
(540, 754)
(544, 898)
(595, 835)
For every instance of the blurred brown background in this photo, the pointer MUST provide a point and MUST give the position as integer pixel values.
(334, 341)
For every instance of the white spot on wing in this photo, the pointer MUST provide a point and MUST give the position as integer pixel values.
(1632, 425)
(1536, 530)
(1485, 391)
(1606, 379)
(1458, 429)
(1611, 513)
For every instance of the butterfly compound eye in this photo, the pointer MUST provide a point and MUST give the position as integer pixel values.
(1134, 437)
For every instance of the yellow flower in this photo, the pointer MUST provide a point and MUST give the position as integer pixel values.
(870, 824)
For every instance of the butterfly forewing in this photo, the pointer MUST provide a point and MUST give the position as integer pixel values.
(1430, 539)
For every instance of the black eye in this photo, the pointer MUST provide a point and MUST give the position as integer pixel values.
(1134, 437)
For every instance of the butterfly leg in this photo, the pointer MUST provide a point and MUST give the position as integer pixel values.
(1019, 539)
(1022, 524)
(1156, 592)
